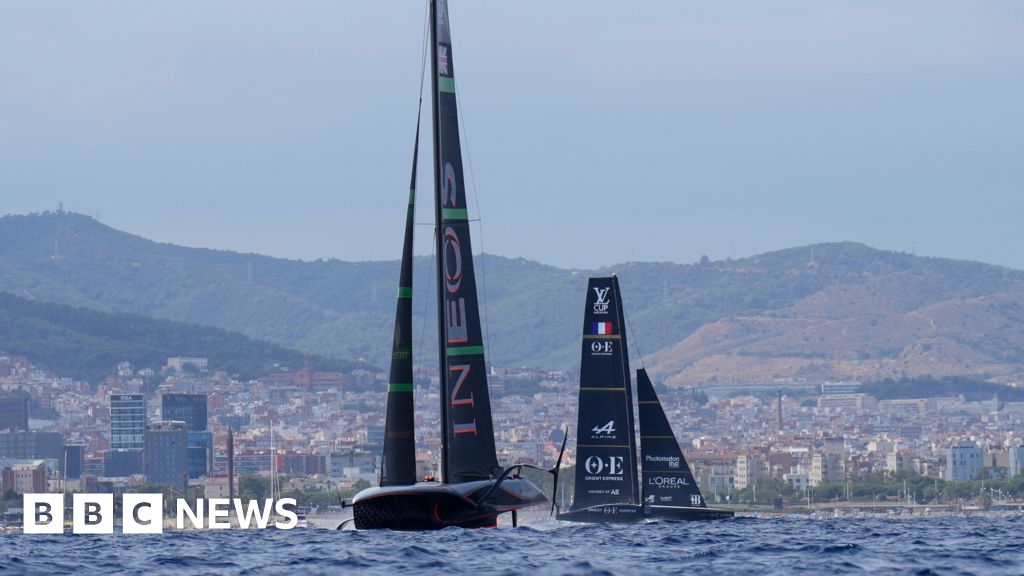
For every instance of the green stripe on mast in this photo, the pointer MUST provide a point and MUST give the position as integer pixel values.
(455, 214)
(464, 350)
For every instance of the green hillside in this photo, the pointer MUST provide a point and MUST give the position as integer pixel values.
(87, 345)
(534, 312)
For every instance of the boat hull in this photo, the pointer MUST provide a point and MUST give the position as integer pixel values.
(630, 513)
(433, 506)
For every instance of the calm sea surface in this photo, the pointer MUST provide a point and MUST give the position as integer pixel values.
(950, 545)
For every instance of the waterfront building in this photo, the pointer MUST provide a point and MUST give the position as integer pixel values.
(127, 421)
(797, 480)
(352, 467)
(1016, 461)
(28, 478)
(749, 469)
(963, 461)
(253, 461)
(166, 455)
(301, 464)
(826, 468)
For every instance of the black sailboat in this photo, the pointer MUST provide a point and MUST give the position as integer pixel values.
(608, 488)
(473, 489)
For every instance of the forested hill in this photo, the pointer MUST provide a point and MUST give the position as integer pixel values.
(87, 345)
(772, 315)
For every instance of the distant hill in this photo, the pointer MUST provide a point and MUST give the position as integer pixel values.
(828, 311)
(87, 345)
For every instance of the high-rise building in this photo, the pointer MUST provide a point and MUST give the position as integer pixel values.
(166, 454)
(192, 410)
(127, 421)
(14, 412)
(187, 408)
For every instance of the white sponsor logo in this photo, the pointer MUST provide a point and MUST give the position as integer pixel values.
(601, 305)
(667, 481)
(608, 429)
(672, 461)
(601, 348)
(695, 499)
(595, 465)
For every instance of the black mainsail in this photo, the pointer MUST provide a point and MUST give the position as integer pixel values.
(474, 490)
(468, 432)
(606, 470)
(398, 466)
(667, 480)
(607, 488)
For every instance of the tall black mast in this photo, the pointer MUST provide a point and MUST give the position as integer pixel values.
(439, 242)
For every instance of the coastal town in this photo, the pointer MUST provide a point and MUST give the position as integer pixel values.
(799, 443)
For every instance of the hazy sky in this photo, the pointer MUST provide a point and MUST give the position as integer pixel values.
(599, 131)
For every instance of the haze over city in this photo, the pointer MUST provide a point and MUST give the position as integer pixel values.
(686, 128)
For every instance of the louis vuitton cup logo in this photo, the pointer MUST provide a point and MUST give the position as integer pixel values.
(601, 305)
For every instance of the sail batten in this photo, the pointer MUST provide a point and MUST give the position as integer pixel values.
(468, 451)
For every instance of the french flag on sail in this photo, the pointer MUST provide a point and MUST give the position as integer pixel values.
(601, 328)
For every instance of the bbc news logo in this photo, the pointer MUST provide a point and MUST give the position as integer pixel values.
(144, 513)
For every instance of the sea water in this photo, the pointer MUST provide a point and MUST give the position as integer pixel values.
(941, 545)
